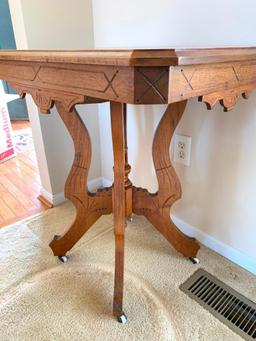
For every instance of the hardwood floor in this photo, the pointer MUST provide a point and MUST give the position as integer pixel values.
(19, 185)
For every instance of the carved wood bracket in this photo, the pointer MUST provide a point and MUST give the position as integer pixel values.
(227, 99)
(45, 99)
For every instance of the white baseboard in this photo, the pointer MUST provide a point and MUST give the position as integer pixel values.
(59, 198)
(223, 249)
(55, 199)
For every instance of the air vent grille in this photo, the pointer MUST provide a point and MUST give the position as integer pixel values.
(231, 308)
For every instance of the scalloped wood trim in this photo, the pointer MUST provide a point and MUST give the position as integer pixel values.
(45, 99)
(227, 99)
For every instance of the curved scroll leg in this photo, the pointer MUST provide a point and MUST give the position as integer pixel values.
(89, 207)
(119, 207)
(156, 207)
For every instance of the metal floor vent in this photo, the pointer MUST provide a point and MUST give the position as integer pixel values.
(231, 308)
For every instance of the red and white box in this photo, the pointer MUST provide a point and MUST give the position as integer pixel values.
(6, 142)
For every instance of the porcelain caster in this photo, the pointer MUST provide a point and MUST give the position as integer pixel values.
(122, 318)
(130, 218)
(63, 259)
(194, 260)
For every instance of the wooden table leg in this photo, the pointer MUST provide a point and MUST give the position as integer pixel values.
(128, 184)
(89, 206)
(118, 137)
(156, 207)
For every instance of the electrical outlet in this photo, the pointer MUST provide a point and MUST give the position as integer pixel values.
(182, 149)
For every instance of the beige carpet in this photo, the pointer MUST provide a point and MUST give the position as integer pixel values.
(43, 299)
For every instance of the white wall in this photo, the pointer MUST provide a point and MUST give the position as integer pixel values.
(218, 201)
(56, 24)
(21, 43)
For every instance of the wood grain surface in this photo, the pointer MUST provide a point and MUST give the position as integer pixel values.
(118, 137)
(19, 184)
(136, 76)
(128, 76)
(89, 206)
(133, 57)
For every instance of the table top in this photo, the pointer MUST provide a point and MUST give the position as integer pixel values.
(133, 57)
(135, 76)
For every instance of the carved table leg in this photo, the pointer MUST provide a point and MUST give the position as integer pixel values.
(128, 184)
(118, 137)
(89, 207)
(156, 207)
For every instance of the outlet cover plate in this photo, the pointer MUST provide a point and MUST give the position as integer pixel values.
(182, 149)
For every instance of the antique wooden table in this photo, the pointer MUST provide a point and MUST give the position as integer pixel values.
(169, 76)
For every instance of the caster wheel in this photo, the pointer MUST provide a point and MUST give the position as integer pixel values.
(194, 260)
(63, 259)
(130, 218)
(122, 318)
